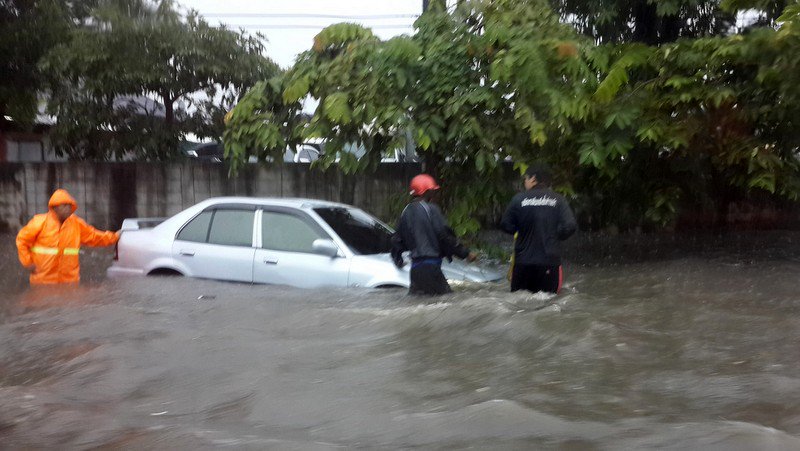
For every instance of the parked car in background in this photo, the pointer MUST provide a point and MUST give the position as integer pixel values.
(306, 152)
(397, 155)
(312, 150)
(210, 152)
(403, 154)
(214, 152)
(298, 242)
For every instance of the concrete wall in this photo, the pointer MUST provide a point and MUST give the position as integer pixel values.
(109, 192)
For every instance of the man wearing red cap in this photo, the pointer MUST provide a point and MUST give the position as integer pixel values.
(423, 230)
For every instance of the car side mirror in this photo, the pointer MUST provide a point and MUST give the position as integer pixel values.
(325, 247)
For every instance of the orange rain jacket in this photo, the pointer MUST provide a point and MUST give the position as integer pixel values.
(53, 246)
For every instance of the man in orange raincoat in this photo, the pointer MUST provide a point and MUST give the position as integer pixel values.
(49, 244)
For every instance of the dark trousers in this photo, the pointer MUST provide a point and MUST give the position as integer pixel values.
(428, 279)
(536, 278)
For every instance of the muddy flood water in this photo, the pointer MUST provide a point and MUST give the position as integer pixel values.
(655, 343)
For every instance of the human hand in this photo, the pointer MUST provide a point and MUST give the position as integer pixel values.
(471, 257)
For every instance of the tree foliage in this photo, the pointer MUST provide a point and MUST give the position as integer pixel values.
(451, 83)
(636, 131)
(28, 30)
(655, 22)
(709, 120)
(650, 22)
(138, 76)
(263, 124)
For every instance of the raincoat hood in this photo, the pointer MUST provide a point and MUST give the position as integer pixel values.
(60, 197)
(51, 247)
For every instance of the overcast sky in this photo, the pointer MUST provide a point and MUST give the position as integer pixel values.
(290, 26)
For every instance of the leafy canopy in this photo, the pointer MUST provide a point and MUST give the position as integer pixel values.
(636, 131)
(107, 75)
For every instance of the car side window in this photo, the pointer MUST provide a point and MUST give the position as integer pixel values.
(284, 232)
(232, 228)
(197, 229)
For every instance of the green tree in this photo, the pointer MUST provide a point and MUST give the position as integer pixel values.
(137, 50)
(649, 22)
(636, 132)
(28, 30)
(263, 125)
(767, 11)
(475, 85)
(655, 22)
(708, 121)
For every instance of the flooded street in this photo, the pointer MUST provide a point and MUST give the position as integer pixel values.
(677, 345)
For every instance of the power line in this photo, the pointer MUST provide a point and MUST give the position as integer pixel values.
(310, 16)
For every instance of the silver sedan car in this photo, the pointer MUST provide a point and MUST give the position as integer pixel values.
(298, 242)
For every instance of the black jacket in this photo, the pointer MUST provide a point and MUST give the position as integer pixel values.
(423, 230)
(543, 219)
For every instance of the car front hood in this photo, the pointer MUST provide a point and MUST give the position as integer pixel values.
(457, 270)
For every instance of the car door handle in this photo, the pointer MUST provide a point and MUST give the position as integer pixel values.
(271, 261)
(187, 253)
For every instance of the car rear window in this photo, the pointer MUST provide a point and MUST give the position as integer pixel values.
(361, 232)
(197, 229)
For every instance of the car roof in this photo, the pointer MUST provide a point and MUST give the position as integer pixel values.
(296, 202)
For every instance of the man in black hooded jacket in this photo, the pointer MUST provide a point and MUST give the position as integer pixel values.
(541, 218)
(423, 230)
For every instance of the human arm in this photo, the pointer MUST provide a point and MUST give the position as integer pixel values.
(398, 246)
(453, 246)
(510, 221)
(448, 242)
(26, 239)
(566, 223)
(91, 236)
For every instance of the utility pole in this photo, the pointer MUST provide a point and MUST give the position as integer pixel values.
(438, 5)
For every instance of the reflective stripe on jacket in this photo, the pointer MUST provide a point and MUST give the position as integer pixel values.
(54, 246)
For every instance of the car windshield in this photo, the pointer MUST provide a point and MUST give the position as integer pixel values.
(364, 234)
